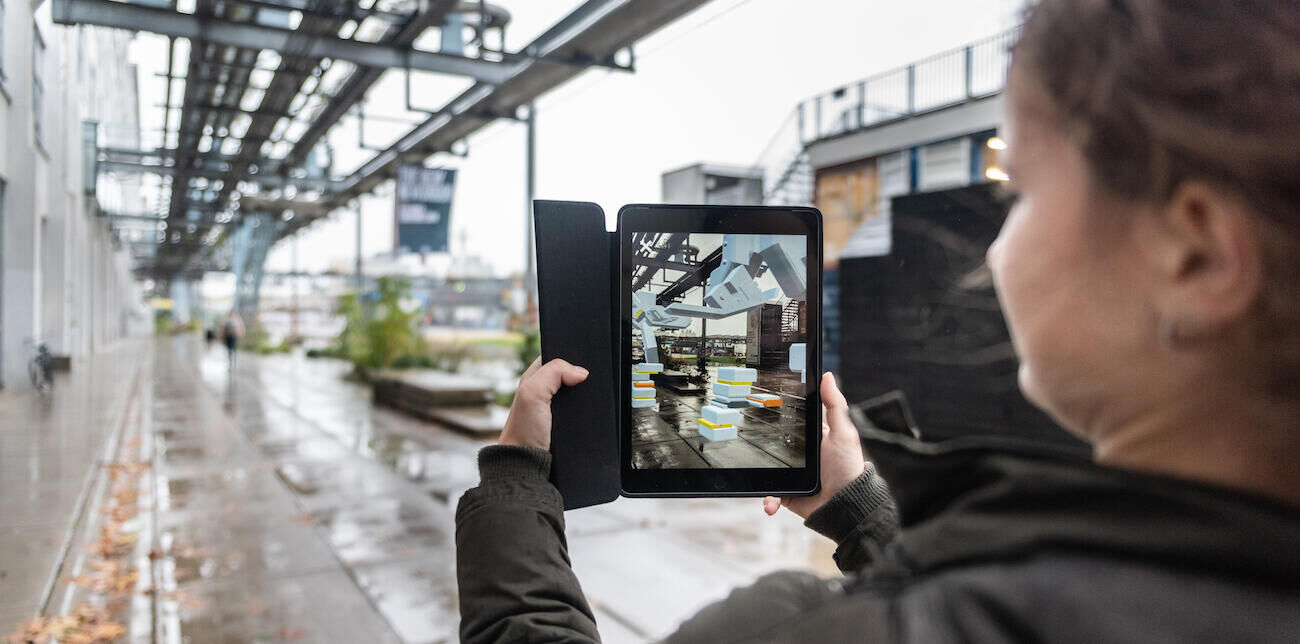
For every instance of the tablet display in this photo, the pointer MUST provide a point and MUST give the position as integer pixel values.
(721, 373)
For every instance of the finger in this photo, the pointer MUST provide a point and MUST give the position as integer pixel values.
(836, 407)
(771, 505)
(549, 377)
(532, 368)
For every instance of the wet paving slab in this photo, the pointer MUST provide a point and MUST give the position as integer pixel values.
(415, 595)
(291, 509)
(314, 607)
(377, 529)
(49, 448)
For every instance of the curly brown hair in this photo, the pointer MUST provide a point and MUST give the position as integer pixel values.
(1158, 92)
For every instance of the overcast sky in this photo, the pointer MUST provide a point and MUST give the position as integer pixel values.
(715, 86)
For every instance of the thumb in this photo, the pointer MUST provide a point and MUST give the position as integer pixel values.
(837, 408)
(549, 377)
(771, 505)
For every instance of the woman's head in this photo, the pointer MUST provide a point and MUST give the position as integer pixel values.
(1155, 251)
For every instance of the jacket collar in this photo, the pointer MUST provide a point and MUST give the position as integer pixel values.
(994, 498)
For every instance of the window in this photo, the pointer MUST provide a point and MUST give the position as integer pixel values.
(38, 82)
(2, 40)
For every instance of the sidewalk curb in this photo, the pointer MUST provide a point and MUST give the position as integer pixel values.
(93, 476)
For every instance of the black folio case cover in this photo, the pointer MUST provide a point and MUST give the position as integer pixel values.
(577, 292)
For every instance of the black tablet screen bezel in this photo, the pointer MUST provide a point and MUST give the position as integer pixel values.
(723, 219)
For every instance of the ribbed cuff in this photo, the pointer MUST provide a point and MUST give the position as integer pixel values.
(863, 507)
(513, 462)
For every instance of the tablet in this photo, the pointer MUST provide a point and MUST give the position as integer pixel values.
(720, 350)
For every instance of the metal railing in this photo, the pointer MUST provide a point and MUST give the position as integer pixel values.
(949, 78)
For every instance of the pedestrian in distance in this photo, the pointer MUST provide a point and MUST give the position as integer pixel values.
(232, 330)
(1149, 273)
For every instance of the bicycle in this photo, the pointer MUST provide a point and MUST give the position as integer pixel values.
(41, 369)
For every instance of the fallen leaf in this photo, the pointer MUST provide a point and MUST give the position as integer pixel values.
(287, 633)
(107, 631)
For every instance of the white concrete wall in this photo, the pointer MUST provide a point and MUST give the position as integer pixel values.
(64, 277)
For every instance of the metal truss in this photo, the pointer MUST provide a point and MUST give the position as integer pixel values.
(214, 186)
(250, 35)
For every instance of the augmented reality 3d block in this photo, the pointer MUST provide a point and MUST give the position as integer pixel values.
(730, 391)
(721, 434)
(644, 306)
(738, 374)
(799, 360)
(717, 431)
(764, 400)
(720, 416)
(643, 388)
(732, 287)
(729, 403)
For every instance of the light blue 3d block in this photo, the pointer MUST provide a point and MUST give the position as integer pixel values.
(649, 367)
(738, 374)
(640, 377)
(715, 435)
(643, 392)
(730, 391)
(799, 360)
(642, 403)
(720, 416)
(798, 357)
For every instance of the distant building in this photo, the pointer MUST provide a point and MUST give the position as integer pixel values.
(65, 272)
(928, 126)
(901, 166)
(713, 184)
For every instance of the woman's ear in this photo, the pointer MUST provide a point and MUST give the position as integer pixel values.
(1209, 260)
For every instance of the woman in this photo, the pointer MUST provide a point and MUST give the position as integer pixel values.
(1148, 273)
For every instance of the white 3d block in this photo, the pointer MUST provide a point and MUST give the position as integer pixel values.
(730, 391)
(720, 415)
(643, 392)
(649, 367)
(640, 377)
(738, 374)
(715, 435)
(799, 360)
(642, 403)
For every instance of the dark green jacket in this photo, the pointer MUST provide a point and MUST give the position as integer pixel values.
(997, 543)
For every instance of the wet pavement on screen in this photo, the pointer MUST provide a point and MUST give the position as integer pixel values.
(287, 507)
(668, 436)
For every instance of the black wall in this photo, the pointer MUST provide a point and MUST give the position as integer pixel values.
(925, 319)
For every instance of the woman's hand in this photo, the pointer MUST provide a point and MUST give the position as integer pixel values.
(841, 455)
(529, 423)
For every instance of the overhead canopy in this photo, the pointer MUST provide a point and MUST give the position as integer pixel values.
(212, 181)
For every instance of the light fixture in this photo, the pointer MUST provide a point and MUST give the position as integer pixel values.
(996, 143)
(996, 174)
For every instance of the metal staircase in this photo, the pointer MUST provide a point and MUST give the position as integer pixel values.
(790, 321)
(794, 185)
